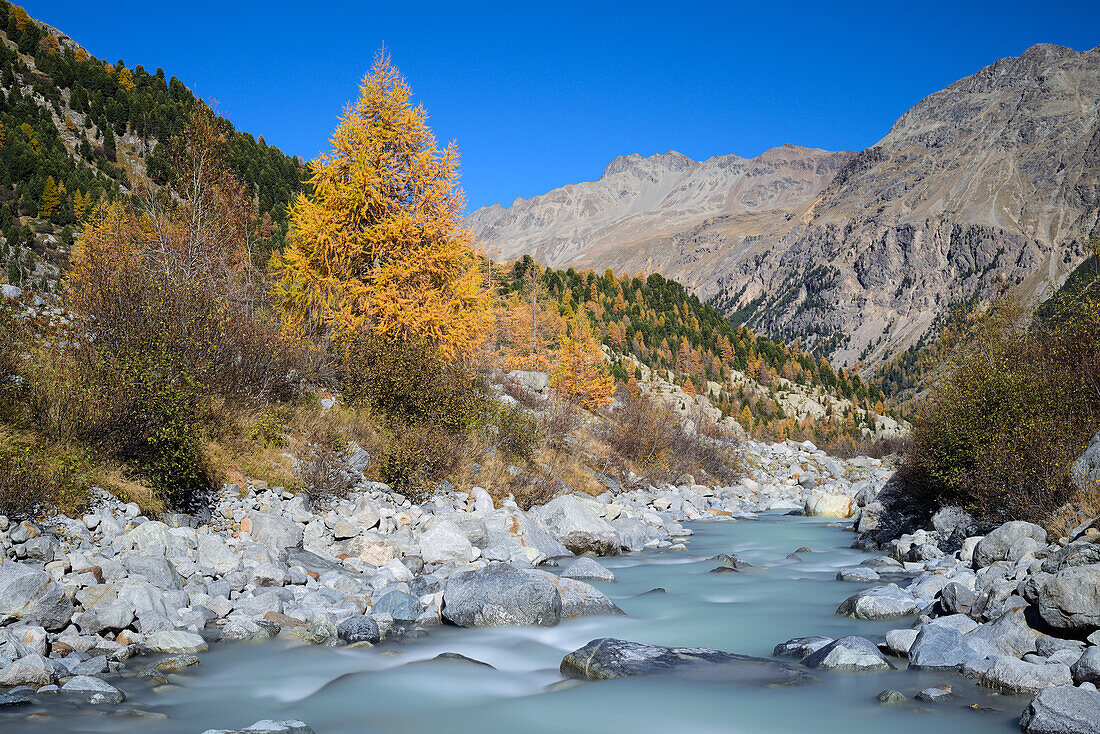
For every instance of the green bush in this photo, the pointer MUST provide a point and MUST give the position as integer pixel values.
(516, 432)
(407, 381)
(36, 480)
(1015, 403)
(412, 457)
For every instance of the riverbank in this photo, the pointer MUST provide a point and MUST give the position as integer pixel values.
(128, 606)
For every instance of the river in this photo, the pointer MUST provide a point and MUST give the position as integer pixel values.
(398, 688)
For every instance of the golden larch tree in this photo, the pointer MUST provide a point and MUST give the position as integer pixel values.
(379, 246)
(580, 374)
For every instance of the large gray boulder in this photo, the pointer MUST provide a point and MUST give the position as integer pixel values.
(1071, 599)
(93, 690)
(500, 594)
(938, 647)
(1009, 674)
(445, 542)
(216, 555)
(520, 538)
(607, 658)
(580, 599)
(1002, 543)
(157, 570)
(1087, 667)
(1009, 634)
(1062, 710)
(277, 534)
(31, 595)
(577, 526)
(31, 670)
(848, 653)
(880, 602)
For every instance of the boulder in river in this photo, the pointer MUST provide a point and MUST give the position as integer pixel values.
(500, 594)
(849, 653)
(607, 658)
(880, 602)
(588, 569)
(577, 526)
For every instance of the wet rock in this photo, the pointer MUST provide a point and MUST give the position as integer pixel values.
(800, 647)
(890, 697)
(899, 642)
(939, 647)
(581, 599)
(500, 594)
(359, 628)
(849, 653)
(587, 569)
(268, 726)
(11, 700)
(935, 695)
(1062, 710)
(31, 670)
(880, 602)
(94, 690)
(399, 605)
(607, 658)
(858, 574)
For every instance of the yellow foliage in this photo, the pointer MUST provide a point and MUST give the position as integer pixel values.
(126, 79)
(380, 244)
(580, 374)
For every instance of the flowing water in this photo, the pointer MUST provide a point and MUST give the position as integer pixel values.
(399, 689)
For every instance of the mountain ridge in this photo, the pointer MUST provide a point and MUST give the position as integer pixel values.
(990, 183)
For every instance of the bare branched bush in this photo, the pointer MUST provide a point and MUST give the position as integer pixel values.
(654, 439)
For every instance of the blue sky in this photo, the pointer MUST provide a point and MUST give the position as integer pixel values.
(540, 95)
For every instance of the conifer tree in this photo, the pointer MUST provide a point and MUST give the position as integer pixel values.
(380, 245)
(51, 199)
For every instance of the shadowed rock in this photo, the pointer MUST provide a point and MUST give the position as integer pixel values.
(607, 658)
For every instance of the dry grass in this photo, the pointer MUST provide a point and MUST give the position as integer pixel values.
(112, 478)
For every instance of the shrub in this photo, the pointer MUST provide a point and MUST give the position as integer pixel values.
(517, 432)
(653, 438)
(323, 465)
(412, 457)
(1016, 402)
(406, 380)
(38, 480)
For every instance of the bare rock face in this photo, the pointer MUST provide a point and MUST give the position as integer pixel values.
(993, 181)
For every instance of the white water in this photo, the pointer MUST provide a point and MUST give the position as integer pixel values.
(397, 689)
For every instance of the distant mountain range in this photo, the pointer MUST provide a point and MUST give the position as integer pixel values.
(993, 182)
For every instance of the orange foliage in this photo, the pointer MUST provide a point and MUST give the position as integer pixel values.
(380, 245)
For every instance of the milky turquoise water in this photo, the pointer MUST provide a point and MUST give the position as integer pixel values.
(396, 690)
